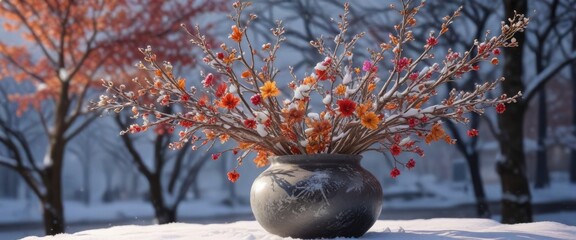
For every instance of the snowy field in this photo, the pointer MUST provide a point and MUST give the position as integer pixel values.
(438, 198)
(411, 229)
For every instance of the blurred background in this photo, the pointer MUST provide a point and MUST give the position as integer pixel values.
(65, 168)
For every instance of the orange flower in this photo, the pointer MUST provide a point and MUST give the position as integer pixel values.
(371, 87)
(340, 90)
(309, 80)
(158, 72)
(236, 34)
(209, 134)
(229, 101)
(233, 176)
(261, 159)
(370, 120)
(182, 83)
(244, 146)
(269, 90)
(421, 102)
(246, 74)
(224, 138)
(293, 115)
(230, 59)
(391, 106)
(436, 133)
(363, 108)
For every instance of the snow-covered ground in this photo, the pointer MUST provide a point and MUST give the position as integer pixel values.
(448, 228)
(428, 195)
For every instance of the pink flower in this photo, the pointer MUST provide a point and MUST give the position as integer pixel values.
(367, 66)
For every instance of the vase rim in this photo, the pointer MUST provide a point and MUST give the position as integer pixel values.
(317, 158)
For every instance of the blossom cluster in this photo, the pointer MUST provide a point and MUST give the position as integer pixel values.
(341, 107)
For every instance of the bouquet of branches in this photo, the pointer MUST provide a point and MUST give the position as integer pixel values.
(344, 106)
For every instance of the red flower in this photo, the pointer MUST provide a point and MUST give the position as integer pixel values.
(496, 51)
(250, 123)
(472, 133)
(220, 55)
(215, 156)
(476, 67)
(403, 63)
(322, 75)
(424, 119)
(413, 76)
(346, 107)
(221, 90)
(412, 122)
(256, 99)
(229, 101)
(500, 108)
(186, 124)
(419, 151)
(431, 42)
(233, 176)
(394, 173)
(411, 163)
(395, 150)
(208, 80)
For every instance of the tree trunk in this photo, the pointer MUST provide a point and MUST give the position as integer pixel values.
(482, 207)
(53, 214)
(165, 215)
(516, 197)
(162, 213)
(53, 209)
(542, 176)
(573, 148)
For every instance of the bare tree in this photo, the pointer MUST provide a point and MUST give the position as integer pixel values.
(171, 173)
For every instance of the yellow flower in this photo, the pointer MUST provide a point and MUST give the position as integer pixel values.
(269, 90)
(370, 120)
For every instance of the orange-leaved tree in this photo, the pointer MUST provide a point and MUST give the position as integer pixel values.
(63, 48)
